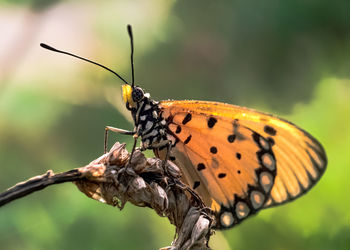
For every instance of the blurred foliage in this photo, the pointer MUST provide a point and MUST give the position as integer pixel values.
(286, 57)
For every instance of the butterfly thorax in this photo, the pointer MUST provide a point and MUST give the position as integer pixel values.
(149, 123)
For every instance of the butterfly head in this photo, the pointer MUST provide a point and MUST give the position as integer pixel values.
(132, 95)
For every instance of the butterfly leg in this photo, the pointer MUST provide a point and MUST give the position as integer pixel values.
(169, 146)
(168, 151)
(115, 130)
(133, 148)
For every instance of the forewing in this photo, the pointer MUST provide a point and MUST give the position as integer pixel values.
(300, 158)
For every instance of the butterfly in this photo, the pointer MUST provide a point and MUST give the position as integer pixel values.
(238, 160)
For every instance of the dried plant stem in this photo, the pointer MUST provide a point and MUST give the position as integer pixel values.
(37, 183)
(111, 179)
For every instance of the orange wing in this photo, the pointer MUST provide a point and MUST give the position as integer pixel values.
(228, 155)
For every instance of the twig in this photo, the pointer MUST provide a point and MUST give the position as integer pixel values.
(143, 182)
(37, 183)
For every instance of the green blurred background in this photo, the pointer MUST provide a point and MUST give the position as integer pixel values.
(290, 58)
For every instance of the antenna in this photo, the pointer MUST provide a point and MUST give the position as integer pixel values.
(45, 46)
(132, 54)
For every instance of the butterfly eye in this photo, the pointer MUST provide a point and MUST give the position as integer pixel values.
(137, 94)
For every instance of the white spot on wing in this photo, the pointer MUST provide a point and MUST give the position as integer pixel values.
(266, 181)
(264, 143)
(242, 210)
(226, 219)
(257, 199)
(268, 161)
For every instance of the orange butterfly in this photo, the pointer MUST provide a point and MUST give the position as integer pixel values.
(238, 160)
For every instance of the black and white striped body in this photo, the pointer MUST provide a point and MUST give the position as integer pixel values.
(149, 124)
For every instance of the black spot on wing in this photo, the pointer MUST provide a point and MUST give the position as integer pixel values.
(271, 141)
(211, 122)
(187, 118)
(188, 139)
(178, 130)
(213, 150)
(200, 166)
(270, 130)
(231, 138)
(221, 175)
(196, 184)
(239, 156)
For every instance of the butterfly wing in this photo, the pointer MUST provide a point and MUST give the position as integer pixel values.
(228, 155)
